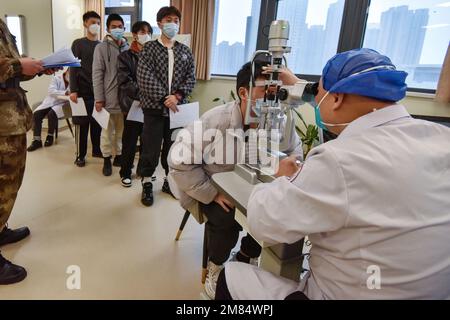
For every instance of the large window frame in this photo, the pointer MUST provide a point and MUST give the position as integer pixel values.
(353, 28)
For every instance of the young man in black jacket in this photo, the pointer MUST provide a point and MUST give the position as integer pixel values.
(129, 95)
(166, 77)
(81, 87)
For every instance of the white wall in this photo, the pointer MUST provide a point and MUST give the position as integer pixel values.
(67, 22)
(38, 30)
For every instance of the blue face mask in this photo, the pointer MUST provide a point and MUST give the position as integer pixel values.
(319, 122)
(117, 33)
(170, 30)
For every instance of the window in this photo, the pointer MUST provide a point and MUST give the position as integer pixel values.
(119, 3)
(314, 34)
(127, 9)
(16, 27)
(149, 11)
(415, 34)
(235, 34)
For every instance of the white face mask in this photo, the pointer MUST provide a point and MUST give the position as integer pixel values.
(94, 29)
(144, 38)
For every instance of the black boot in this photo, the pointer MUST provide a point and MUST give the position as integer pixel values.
(107, 167)
(48, 141)
(8, 236)
(147, 194)
(10, 273)
(80, 162)
(36, 144)
(166, 188)
(117, 161)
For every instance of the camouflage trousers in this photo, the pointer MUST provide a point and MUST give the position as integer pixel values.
(13, 153)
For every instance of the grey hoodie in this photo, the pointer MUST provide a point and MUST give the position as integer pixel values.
(104, 73)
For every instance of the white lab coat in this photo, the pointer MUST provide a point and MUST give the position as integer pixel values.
(374, 202)
(57, 88)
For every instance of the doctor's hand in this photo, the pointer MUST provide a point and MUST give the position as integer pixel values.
(99, 105)
(31, 67)
(286, 76)
(288, 167)
(74, 97)
(171, 103)
(223, 202)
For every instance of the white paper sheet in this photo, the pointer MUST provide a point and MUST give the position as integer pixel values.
(188, 113)
(60, 57)
(136, 114)
(101, 117)
(78, 109)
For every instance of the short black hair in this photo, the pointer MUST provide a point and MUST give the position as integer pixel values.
(140, 25)
(244, 75)
(167, 11)
(113, 17)
(91, 14)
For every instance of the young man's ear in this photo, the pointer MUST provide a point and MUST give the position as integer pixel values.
(338, 100)
(243, 93)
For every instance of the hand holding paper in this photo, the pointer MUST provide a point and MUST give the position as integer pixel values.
(101, 117)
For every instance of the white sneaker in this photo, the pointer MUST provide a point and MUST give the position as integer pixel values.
(253, 261)
(211, 279)
(126, 182)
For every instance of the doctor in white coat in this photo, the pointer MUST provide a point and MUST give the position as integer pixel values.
(52, 108)
(375, 202)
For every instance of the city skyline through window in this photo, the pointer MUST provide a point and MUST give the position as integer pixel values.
(414, 34)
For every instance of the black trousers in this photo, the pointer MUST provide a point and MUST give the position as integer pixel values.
(156, 131)
(95, 131)
(223, 293)
(131, 133)
(39, 116)
(222, 232)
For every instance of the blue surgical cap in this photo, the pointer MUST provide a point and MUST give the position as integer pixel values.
(364, 72)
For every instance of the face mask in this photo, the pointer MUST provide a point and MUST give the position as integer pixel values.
(144, 38)
(324, 125)
(256, 108)
(170, 30)
(117, 33)
(94, 29)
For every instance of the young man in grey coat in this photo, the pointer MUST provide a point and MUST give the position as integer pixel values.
(104, 76)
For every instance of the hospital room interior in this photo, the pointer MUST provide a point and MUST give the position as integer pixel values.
(224, 150)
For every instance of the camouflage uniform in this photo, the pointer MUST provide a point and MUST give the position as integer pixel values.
(15, 121)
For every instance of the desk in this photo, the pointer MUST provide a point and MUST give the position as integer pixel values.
(284, 260)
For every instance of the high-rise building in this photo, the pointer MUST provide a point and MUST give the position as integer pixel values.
(251, 34)
(295, 12)
(332, 30)
(400, 35)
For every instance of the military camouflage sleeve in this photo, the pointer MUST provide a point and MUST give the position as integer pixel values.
(9, 68)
